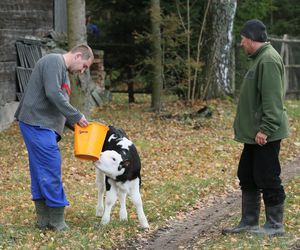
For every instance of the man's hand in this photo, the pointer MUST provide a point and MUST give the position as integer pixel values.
(261, 138)
(83, 122)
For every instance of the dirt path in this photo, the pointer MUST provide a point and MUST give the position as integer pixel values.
(193, 230)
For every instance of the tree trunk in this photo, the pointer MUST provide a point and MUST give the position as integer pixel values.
(76, 22)
(188, 44)
(219, 76)
(131, 98)
(157, 55)
(130, 85)
(82, 86)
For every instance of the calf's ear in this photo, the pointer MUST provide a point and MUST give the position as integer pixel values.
(126, 163)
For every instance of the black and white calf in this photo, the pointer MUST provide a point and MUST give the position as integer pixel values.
(118, 172)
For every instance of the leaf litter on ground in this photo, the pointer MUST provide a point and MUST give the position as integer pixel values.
(184, 161)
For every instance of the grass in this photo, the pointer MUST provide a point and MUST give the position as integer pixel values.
(183, 161)
(248, 241)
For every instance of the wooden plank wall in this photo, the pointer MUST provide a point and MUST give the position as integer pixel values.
(60, 16)
(19, 18)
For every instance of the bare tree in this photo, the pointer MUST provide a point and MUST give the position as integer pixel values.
(193, 64)
(83, 85)
(199, 46)
(157, 55)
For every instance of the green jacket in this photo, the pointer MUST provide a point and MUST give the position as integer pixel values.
(261, 103)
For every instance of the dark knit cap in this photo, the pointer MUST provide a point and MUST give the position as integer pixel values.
(255, 30)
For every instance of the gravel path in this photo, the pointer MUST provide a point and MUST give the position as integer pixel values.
(193, 230)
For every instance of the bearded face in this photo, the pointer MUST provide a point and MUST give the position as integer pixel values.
(246, 43)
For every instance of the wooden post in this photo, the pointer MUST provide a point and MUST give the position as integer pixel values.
(285, 56)
(291, 78)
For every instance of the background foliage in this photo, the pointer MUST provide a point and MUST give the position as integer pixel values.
(125, 37)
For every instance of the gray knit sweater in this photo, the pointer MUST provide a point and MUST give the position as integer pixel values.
(45, 102)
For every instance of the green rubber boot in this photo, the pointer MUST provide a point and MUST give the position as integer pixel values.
(42, 214)
(274, 218)
(250, 213)
(57, 219)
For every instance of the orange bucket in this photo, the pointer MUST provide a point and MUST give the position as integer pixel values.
(88, 141)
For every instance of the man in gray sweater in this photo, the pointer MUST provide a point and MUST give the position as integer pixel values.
(42, 114)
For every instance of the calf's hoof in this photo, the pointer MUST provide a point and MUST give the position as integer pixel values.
(99, 212)
(123, 217)
(105, 221)
(145, 225)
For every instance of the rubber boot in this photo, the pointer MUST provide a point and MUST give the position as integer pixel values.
(42, 214)
(57, 219)
(250, 213)
(274, 218)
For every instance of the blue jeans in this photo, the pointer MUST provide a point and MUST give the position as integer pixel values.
(45, 165)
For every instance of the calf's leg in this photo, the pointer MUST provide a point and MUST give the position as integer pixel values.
(110, 199)
(123, 211)
(137, 201)
(100, 184)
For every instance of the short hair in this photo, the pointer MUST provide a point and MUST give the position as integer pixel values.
(85, 50)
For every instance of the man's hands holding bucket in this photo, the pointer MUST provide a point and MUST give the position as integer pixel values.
(83, 122)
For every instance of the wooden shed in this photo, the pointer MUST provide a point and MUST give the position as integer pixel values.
(20, 19)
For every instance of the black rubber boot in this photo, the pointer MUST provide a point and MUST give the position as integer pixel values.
(42, 214)
(274, 218)
(250, 213)
(57, 219)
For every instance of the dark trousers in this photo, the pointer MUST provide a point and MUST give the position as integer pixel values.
(259, 169)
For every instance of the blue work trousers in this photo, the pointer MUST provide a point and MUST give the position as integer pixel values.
(45, 165)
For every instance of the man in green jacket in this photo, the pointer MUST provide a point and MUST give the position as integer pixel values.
(261, 123)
